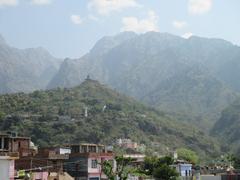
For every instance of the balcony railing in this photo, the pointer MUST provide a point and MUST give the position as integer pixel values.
(10, 154)
(58, 156)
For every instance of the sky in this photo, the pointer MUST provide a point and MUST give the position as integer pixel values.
(70, 28)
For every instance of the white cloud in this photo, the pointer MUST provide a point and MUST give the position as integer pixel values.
(8, 2)
(187, 35)
(179, 24)
(41, 2)
(199, 6)
(105, 7)
(141, 25)
(76, 19)
(93, 18)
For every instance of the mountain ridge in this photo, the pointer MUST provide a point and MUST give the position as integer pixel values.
(25, 69)
(141, 64)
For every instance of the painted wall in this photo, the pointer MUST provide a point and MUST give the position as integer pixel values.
(6, 168)
(40, 175)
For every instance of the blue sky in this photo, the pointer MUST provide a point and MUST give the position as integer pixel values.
(69, 28)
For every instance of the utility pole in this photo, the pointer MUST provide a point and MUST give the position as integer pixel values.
(31, 165)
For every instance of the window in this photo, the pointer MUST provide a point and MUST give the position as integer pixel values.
(75, 149)
(92, 149)
(94, 178)
(6, 141)
(94, 163)
(84, 149)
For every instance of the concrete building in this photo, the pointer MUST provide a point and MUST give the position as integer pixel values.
(85, 161)
(47, 159)
(7, 165)
(184, 169)
(11, 142)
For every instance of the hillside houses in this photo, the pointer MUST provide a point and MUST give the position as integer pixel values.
(20, 159)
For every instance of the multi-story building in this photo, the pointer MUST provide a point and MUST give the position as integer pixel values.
(11, 142)
(8, 154)
(85, 161)
(48, 159)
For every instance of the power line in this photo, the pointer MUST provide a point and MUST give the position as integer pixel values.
(52, 166)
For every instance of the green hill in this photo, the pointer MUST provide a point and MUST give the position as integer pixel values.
(227, 127)
(57, 117)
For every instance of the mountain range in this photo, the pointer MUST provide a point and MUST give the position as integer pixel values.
(193, 80)
(25, 70)
(194, 77)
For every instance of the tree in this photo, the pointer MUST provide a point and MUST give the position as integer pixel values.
(2, 116)
(159, 168)
(121, 171)
(233, 160)
(188, 155)
(165, 172)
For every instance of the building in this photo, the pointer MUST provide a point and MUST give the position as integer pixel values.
(126, 143)
(7, 165)
(11, 142)
(47, 161)
(184, 169)
(85, 161)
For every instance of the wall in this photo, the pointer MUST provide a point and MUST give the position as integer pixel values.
(94, 170)
(40, 175)
(6, 168)
(210, 177)
(24, 143)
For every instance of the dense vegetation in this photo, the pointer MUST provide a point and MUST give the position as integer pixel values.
(227, 127)
(188, 155)
(159, 168)
(57, 116)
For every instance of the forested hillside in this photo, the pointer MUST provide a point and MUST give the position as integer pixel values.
(227, 127)
(59, 116)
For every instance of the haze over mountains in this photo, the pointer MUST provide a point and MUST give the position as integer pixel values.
(193, 79)
(195, 76)
(25, 70)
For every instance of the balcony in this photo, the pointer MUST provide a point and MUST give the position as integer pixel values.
(58, 156)
(11, 155)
